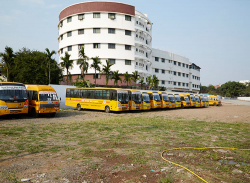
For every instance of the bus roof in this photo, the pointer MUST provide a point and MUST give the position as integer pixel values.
(40, 87)
(10, 83)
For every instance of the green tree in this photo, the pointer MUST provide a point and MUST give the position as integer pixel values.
(116, 77)
(83, 62)
(127, 78)
(8, 60)
(67, 64)
(49, 58)
(141, 82)
(155, 81)
(83, 84)
(135, 76)
(96, 65)
(232, 89)
(149, 82)
(107, 70)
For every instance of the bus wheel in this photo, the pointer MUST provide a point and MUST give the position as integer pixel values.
(79, 107)
(34, 114)
(52, 115)
(182, 106)
(214, 104)
(107, 109)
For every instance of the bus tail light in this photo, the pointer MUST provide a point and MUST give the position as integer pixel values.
(56, 104)
(26, 104)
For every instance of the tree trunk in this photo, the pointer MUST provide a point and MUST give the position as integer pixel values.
(67, 76)
(95, 77)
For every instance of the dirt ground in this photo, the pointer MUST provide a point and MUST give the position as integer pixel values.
(51, 167)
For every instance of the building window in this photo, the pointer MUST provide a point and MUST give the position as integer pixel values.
(179, 64)
(80, 31)
(127, 62)
(96, 15)
(186, 84)
(111, 16)
(136, 35)
(146, 67)
(179, 74)
(183, 65)
(80, 16)
(61, 37)
(183, 84)
(127, 17)
(111, 61)
(193, 85)
(136, 49)
(156, 70)
(146, 54)
(111, 31)
(174, 83)
(163, 71)
(111, 46)
(163, 82)
(127, 47)
(163, 60)
(69, 19)
(187, 75)
(61, 23)
(127, 32)
(69, 34)
(96, 30)
(179, 83)
(98, 76)
(174, 73)
(96, 45)
(69, 48)
(183, 74)
(156, 59)
(146, 41)
(193, 76)
(136, 63)
(61, 50)
(174, 62)
(80, 46)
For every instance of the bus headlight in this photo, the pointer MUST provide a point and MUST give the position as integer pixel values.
(155, 103)
(133, 104)
(119, 105)
(3, 107)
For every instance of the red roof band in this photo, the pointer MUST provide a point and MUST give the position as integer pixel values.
(97, 7)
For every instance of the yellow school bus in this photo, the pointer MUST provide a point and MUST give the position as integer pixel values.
(135, 100)
(177, 100)
(197, 101)
(172, 101)
(155, 100)
(213, 100)
(206, 101)
(192, 99)
(145, 101)
(42, 100)
(202, 101)
(164, 99)
(185, 102)
(13, 98)
(107, 99)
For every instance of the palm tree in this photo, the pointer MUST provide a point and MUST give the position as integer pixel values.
(67, 63)
(141, 82)
(107, 70)
(135, 76)
(82, 62)
(127, 78)
(8, 59)
(155, 81)
(149, 81)
(116, 77)
(96, 65)
(49, 59)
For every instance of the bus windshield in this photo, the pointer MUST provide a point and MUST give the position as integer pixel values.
(202, 99)
(197, 99)
(192, 98)
(171, 98)
(186, 98)
(157, 97)
(11, 93)
(177, 98)
(123, 97)
(146, 98)
(165, 97)
(206, 99)
(136, 97)
(47, 96)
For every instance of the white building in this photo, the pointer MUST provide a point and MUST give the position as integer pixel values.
(119, 33)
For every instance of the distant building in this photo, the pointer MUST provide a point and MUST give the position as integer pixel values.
(245, 82)
(217, 86)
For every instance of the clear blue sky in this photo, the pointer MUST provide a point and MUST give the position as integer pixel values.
(214, 34)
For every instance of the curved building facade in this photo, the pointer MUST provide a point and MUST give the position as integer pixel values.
(110, 30)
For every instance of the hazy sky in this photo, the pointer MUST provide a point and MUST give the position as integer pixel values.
(213, 34)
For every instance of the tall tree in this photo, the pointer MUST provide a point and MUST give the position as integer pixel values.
(127, 78)
(8, 60)
(149, 81)
(96, 65)
(83, 62)
(107, 70)
(67, 64)
(232, 89)
(135, 76)
(155, 81)
(141, 82)
(116, 77)
(49, 58)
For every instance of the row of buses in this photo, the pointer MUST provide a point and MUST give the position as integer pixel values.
(116, 99)
(17, 98)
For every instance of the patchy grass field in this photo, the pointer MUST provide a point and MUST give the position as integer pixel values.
(122, 148)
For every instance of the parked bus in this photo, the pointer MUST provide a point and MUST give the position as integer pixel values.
(206, 101)
(197, 99)
(213, 100)
(13, 98)
(178, 100)
(135, 100)
(155, 100)
(107, 99)
(185, 102)
(172, 101)
(202, 101)
(191, 99)
(145, 101)
(43, 99)
(164, 99)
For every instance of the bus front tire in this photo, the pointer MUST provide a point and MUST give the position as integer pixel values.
(34, 114)
(78, 107)
(214, 104)
(107, 109)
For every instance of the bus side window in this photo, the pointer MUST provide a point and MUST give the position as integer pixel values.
(68, 93)
(30, 95)
(113, 95)
(71, 93)
(35, 96)
(90, 94)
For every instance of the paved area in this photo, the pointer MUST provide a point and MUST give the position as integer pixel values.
(237, 102)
